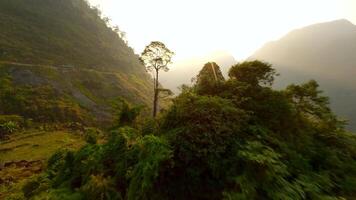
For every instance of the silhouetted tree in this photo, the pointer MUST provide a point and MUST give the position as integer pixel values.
(253, 73)
(209, 79)
(156, 56)
(120, 33)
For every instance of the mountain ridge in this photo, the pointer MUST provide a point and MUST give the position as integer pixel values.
(323, 51)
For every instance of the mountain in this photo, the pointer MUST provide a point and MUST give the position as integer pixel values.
(324, 52)
(61, 61)
(183, 71)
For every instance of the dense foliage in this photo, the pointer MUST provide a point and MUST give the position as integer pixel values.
(244, 141)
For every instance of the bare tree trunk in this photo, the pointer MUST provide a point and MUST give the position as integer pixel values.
(155, 99)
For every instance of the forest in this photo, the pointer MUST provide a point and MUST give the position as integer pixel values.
(220, 139)
(77, 120)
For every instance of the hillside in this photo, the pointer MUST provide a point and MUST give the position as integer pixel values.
(325, 52)
(62, 57)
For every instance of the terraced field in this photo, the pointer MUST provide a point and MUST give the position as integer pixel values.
(25, 155)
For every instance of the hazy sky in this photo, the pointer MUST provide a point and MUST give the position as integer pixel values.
(193, 28)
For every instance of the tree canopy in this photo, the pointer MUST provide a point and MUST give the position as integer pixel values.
(156, 56)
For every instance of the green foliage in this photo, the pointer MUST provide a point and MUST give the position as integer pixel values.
(154, 152)
(42, 103)
(263, 172)
(7, 128)
(126, 114)
(148, 126)
(91, 135)
(35, 185)
(203, 125)
(245, 141)
(99, 187)
(209, 80)
(253, 73)
(308, 102)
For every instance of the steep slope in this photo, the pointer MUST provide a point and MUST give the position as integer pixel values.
(67, 49)
(325, 52)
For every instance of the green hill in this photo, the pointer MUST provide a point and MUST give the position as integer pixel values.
(64, 63)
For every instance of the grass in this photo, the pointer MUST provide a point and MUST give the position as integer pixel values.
(28, 152)
(37, 146)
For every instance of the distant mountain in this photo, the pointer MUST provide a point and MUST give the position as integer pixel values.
(183, 71)
(60, 57)
(325, 52)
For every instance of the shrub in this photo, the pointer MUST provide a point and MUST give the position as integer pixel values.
(35, 185)
(91, 135)
(99, 188)
(7, 128)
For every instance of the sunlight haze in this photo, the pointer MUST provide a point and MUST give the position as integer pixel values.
(196, 28)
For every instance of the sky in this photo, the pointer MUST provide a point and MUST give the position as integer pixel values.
(194, 28)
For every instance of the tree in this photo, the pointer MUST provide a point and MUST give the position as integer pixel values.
(209, 79)
(120, 33)
(308, 102)
(126, 113)
(253, 73)
(156, 56)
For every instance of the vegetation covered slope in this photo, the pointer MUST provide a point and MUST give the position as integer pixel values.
(61, 56)
(221, 139)
(325, 52)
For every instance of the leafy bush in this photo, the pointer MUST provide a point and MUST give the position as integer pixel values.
(126, 114)
(154, 154)
(7, 128)
(99, 187)
(36, 185)
(92, 135)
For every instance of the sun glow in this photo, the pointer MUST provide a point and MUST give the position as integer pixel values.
(199, 27)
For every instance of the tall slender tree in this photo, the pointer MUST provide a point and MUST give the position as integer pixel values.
(156, 56)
